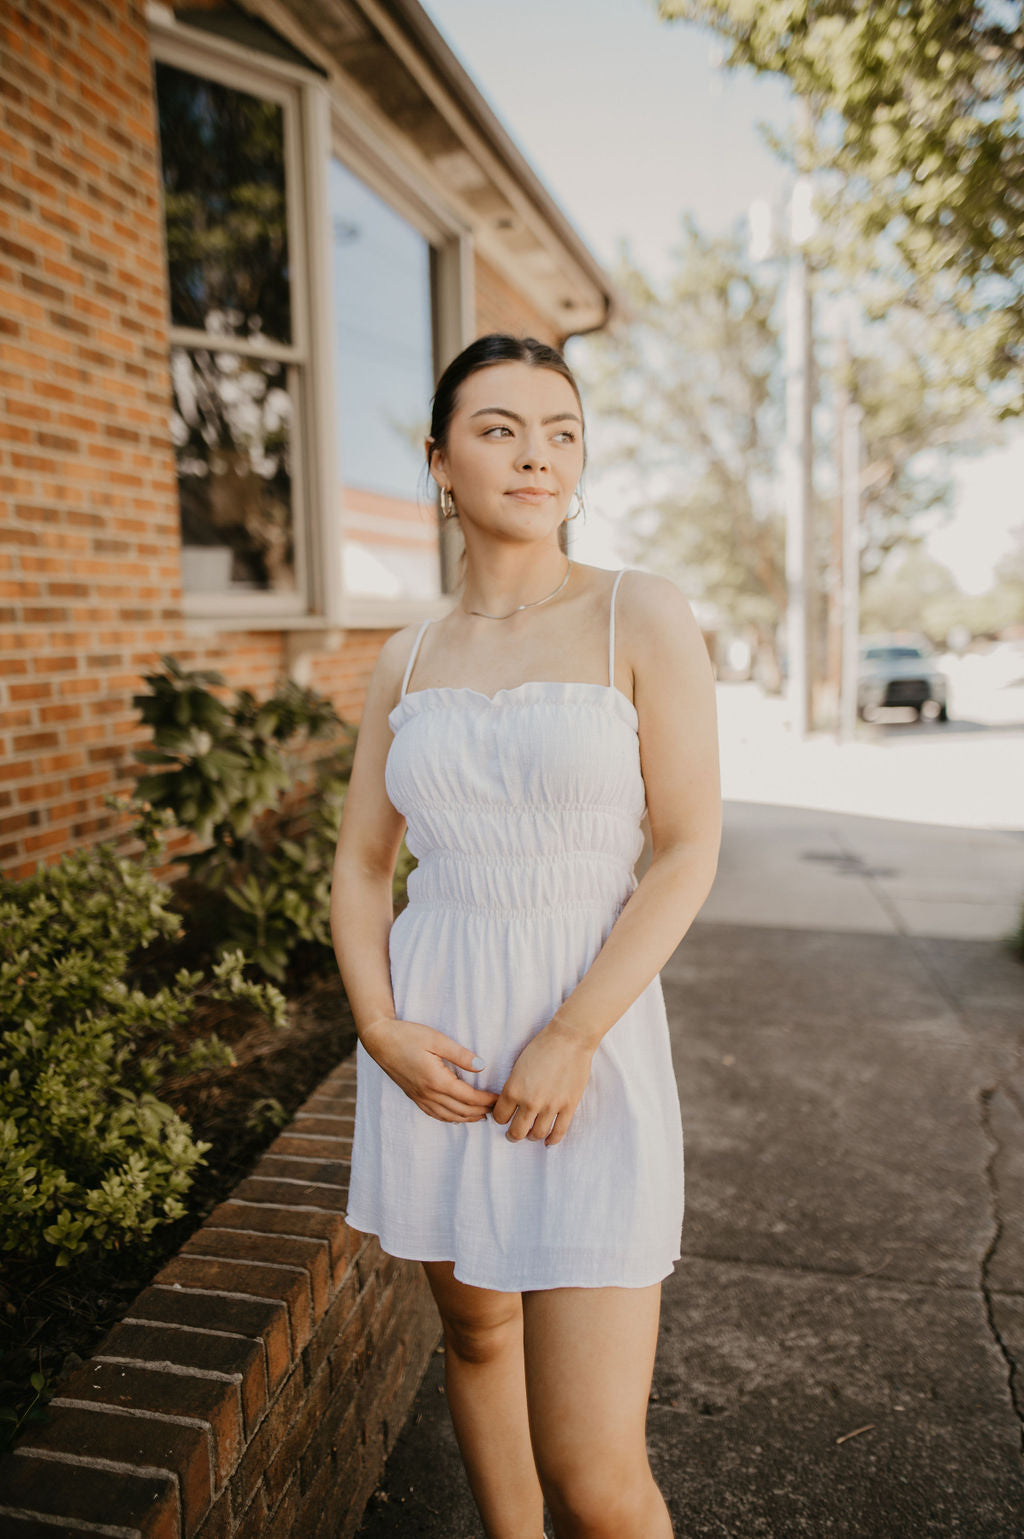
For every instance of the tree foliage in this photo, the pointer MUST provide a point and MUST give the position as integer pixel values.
(689, 392)
(915, 416)
(916, 112)
(917, 593)
(1010, 570)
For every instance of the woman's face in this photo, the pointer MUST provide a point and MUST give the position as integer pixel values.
(515, 450)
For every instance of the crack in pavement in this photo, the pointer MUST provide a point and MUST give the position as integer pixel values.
(986, 1095)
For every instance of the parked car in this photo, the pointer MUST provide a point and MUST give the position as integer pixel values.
(899, 673)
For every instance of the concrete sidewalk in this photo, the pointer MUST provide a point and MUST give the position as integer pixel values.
(842, 1345)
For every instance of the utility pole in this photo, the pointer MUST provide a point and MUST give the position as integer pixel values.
(798, 457)
(798, 475)
(851, 571)
(834, 627)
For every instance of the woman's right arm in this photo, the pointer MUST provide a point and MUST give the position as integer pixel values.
(362, 912)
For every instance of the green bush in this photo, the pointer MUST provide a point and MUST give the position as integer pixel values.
(262, 880)
(91, 1158)
(279, 886)
(226, 764)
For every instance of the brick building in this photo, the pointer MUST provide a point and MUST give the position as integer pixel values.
(237, 242)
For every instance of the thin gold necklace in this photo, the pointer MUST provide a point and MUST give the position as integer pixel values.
(532, 602)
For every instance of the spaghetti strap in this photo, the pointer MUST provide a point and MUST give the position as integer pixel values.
(611, 632)
(412, 657)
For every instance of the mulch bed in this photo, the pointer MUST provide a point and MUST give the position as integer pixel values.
(51, 1318)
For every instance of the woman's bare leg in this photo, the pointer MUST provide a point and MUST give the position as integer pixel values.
(486, 1384)
(589, 1361)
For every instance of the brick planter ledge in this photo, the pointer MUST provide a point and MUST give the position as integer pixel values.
(255, 1388)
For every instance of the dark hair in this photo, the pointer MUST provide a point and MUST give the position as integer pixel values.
(495, 347)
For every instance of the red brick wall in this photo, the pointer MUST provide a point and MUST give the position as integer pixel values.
(90, 575)
(257, 1385)
(90, 586)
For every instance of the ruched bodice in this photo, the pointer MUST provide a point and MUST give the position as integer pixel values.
(535, 825)
(523, 810)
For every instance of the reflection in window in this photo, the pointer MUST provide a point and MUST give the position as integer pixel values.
(222, 152)
(231, 428)
(223, 157)
(384, 370)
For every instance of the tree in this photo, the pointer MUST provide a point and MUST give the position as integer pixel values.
(915, 417)
(689, 396)
(916, 115)
(1010, 569)
(1008, 589)
(907, 594)
(916, 593)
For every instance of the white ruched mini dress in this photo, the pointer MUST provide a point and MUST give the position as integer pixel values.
(523, 810)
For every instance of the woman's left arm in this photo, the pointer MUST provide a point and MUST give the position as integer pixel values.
(674, 693)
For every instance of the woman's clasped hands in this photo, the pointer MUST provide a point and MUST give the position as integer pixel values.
(537, 1101)
(418, 1058)
(540, 1096)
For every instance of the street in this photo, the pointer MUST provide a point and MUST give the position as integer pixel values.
(964, 773)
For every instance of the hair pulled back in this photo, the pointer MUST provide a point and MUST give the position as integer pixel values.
(495, 347)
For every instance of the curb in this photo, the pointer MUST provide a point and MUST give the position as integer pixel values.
(257, 1385)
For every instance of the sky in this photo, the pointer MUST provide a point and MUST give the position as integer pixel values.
(631, 124)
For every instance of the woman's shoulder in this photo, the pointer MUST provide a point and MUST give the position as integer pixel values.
(393, 656)
(602, 579)
(656, 621)
(400, 643)
(651, 597)
(645, 599)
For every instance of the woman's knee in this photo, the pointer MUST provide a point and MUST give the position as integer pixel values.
(595, 1502)
(479, 1323)
(481, 1337)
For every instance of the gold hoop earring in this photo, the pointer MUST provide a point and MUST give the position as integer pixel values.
(578, 499)
(448, 508)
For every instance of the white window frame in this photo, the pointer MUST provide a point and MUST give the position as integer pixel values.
(244, 69)
(319, 123)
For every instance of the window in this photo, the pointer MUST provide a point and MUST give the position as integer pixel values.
(313, 283)
(383, 282)
(238, 366)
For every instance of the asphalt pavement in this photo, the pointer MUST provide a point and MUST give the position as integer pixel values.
(842, 1344)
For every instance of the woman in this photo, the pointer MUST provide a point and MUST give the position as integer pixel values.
(517, 1125)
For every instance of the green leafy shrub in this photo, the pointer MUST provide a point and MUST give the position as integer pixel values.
(91, 1158)
(230, 772)
(279, 884)
(226, 763)
(16, 1417)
